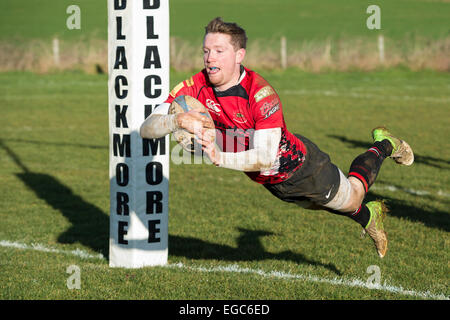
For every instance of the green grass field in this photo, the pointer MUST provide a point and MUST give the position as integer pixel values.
(249, 245)
(54, 155)
(297, 20)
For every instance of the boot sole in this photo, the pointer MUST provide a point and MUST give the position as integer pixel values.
(404, 155)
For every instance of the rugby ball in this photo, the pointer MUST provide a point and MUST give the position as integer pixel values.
(182, 104)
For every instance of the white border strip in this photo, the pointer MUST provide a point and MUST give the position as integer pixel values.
(356, 283)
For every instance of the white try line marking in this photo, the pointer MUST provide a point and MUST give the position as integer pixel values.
(310, 278)
(357, 283)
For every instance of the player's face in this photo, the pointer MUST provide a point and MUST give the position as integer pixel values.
(222, 61)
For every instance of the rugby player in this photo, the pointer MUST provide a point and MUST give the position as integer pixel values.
(243, 105)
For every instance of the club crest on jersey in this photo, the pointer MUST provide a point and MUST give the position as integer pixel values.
(269, 108)
(239, 118)
(213, 106)
(263, 93)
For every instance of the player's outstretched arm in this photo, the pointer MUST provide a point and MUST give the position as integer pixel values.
(160, 123)
(262, 157)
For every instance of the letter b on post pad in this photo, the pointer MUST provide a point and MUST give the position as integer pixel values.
(138, 62)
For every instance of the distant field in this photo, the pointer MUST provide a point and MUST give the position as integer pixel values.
(321, 35)
(248, 245)
(297, 20)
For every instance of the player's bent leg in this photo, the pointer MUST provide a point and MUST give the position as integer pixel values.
(348, 202)
(345, 200)
(366, 166)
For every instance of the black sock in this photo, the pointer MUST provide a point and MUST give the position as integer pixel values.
(362, 215)
(366, 166)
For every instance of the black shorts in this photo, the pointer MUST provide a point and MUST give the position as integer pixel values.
(317, 180)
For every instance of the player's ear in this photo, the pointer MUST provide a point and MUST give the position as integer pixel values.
(240, 54)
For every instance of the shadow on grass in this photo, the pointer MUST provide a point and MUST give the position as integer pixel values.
(90, 225)
(249, 248)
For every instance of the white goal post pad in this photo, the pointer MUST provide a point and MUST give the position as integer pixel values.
(138, 65)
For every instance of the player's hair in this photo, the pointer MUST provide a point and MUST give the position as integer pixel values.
(238, 36)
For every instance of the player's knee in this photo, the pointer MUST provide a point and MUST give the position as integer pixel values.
(353, 205)
(355, 199)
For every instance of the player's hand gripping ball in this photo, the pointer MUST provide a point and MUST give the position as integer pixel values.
(185, 138)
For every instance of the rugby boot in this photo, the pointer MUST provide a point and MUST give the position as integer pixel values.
(375, 226)
(401, 151)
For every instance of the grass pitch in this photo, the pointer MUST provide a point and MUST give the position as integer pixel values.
(229, 238)
(298, 20)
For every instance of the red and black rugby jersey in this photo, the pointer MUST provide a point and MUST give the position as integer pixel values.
(237, 112)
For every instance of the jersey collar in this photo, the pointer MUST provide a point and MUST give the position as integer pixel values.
(242, 72)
